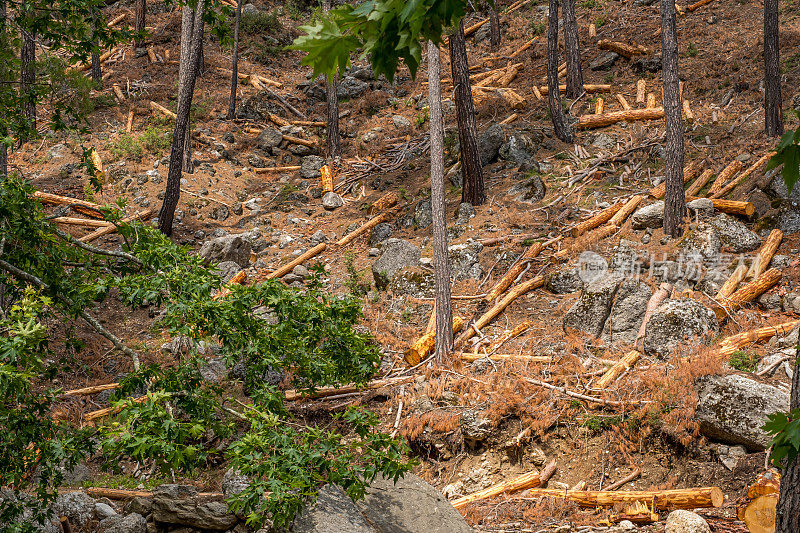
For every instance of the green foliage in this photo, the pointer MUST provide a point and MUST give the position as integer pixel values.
(785, 428)
(692, 50)
(260, 23)
(590, 4)
(743, 361)
(538, 28)
(355, 279)
(788, 155)
(154, 140)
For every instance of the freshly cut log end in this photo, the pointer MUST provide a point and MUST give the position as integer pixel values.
(597, 220)
(326, 178)
(626, 50)
(757, 509)
(514, 100)
(598, 121)
(425, 344)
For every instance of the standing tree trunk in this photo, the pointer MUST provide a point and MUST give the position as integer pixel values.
(28, 76)
(97, 74)
(674, 197)
(334, 137)
(139, 22)
(191, 37)
(191, 25)
(560, 126)
(773, 121)
(573, 50)
(235, 61)
(472, 191)
(494, 29)
(4, 87)
(787, 519)
(441, 260)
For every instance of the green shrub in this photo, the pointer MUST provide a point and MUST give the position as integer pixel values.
(743, 361)
(260, 23)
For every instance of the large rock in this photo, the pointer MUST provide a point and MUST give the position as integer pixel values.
(475, 427)
(423, 214)
(490, 142)
(181, 505)
(417, 282)
(681, 521)
(651, 216)
(380, 233)
(350, 87)
(702, 241)
(627, 312)
(590, 312)
(333, 512)
(410, 506)
(228, 248)
(464, 260)
(77, 506)
(564, 281)
(310, 165)
(396, 254)
(132, 523)
(331, 201)
(677, 323)
(733, 408)
(518, 148)
(734, 235)
(268, 139)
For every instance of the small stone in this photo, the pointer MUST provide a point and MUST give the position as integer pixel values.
(301, 271)
(401, 122)
(103, 511)
(686, 522)
(373, 252)
(331, 201)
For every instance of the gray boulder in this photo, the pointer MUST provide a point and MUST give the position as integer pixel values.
(131, 523)
(396, 254)
(590, 312)
(77, 506)
(475, 427)
(182, 505)
(410, 505)
(518, 148)
(702, 241)
(702, 207)
(103, 511)
(677, 323)
(564, 281)
(228, 269)
(531, 190)
(331, 201)
(333, 512)
(465, 212)
(234, 482)
(380, 233)
(651, 216)
(490, 142)
(423, 215)
(733, 408)
(681, 521)
(268, 139)
(464, 260)
(310, 165)
(227, 248)
(604, 62)
(414, 281)
(627, 312)
(734, 235)
(350, 87)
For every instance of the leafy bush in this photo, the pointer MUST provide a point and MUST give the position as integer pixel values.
(746, 362)
(260, 23)
(785, 428)
(155, 140)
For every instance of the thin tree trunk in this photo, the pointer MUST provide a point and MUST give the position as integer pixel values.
(787, 519)
(4, 76)
(235, 61)
(191, 35)
(97, 74)
(472, 191)
(560, 126)
(188, 30)
(28, 76)
(674, 197)
(573, 50)
(773, 121)
(334, 136)
(494, 29)
(444, 310)
(140, 18)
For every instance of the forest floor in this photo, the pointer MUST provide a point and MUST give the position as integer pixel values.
(720, 51)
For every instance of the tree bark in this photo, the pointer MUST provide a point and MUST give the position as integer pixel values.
(787, 516)
(494, 29)
(191, 37)
(6, 75)
(97, 74)
(674, 196)
(28, 75)
(235, 61)
(140, 17)
(472, 191)
(441, 260)
(560, 126)
(334, 137)
(773, 121)
(573, 50)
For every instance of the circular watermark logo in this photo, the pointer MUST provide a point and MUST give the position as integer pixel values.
(591, 267)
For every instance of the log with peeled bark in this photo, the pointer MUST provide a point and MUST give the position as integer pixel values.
(743, 176)
(728, 345)
(627, 210)
(510, 486)
(470, 357)
(114, 409)
(652, 304)
(662, 500)
(626, 50)
(161, 109)
(82, 206)
(689, 172)
(386, 201)
(597, 220)
(94, 389)
(638, 513)
(588, 87)
(87, 222)
(732, 207)
(624, 364)
(296, 140)
(732, 283)
(144, 215)
(508, 335)
(757, 510)
(369, 225)
(326, 178)
(754, 289)
(765, 254)
(508, 76)
(425, 344)
(517, 269)
(579, 245)
(598, 121)
(265, 170)
(238, 279)
(726, 174)
(125, 494)
(511, 118)
(623, 102)
(285, 269)
(499, 307)
(327, 392)
(700, 182)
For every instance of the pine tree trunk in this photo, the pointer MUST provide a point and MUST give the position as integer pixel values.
(573, 50)
(140, 18)
(28, 75)
(773, 121)
(191, 36)
(97, 74)
(472, 191)
(191, 25)
(3, 77)
(787, 519)
(560, 126)
(334, 137)
(444, 310)
(494, 29)
(235, 61)
(674, 197)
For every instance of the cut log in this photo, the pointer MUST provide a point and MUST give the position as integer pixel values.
(537, 93)
(82, 206)
(730, 285)
(151, 55)
(688, 115)
(86, 391)
(651, 101)
(618, 369)
(597, 220)
(698, 5)
(369, 225)
(129, 125)
(586, 122)
(623, 102)
(592, 30)
(280, 121)
(663, 500)
(652, 304)
(499, 307)
(700, 182)
(522, 48)
(296, 140)
(309, 123)
(511, 118)
(627, 210)
(525, 481)
(508, 335)
(519, 267)
(326, 178)
(743, 176)
(627, 479)
(238, 279)
(425, 344)
(757, 509)
(285, 269)
(125, 494)
(626, 50)
(765, 254)
(513, 100)
(579, 245)
(114, 409)
(599, 106)
(89, 222)
(689, 172)
(162, 109)
(641, 89)
(98, 165)
(386, 201)
(508, 76)
(118, 92)
(726, 174)
(470, 357)
(116, 20)
(327, 392)
(265, 170)
(728, 345)
(732, 207)
(144, 215)
(589, 88)
(755, 288)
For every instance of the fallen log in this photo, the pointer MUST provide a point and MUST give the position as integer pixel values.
(326, 392)
(296, 140)
(728, 345)
(386, 201)
(524, 47)
(511, 118)
(499, 307)
(579, 245)
(743, 176)
(513, 100)
(144, 215)
(471, 357)
(161, 109)
(508, 76)
(94, 389)
(114, 409)
(765, 254)
(755, 288)
(730, 285)
(598, 121)
(125, 494)
(309, 123)
(627, 479)
(326, 178)
(599, 106)
(238, 279)
(592, 30)
(588, 87)
(280, 121)
(732, 207)
(626, 50)
(723, 177)
(597, 220)
(641, 89)
(525, 481)
(623, 102)
(688, 115)
(369, 225)
(662, 500)
(698, 5)
(758, 509)
(627, 210)
(689, 172)
(700, 182)
(118, 92)
(291, 168)
(425, 344)
(285, 269)
(116, 20)
(508, 335)
(624, 364)
(517, 269)
(89, 222)
(82, 206)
